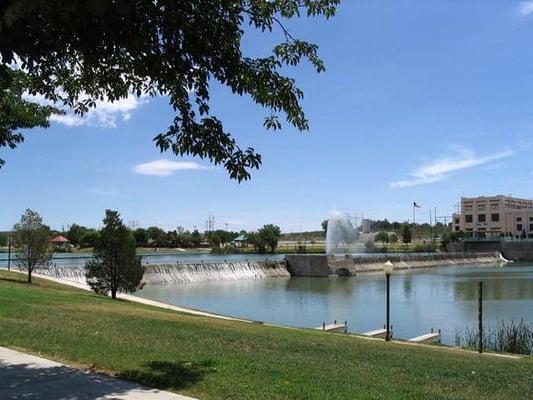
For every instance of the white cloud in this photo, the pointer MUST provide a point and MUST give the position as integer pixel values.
(166, 167)
(440, 168)
(525, 8)
(68, 119)
(104, 115)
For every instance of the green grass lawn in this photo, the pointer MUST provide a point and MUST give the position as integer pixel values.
(217, 359)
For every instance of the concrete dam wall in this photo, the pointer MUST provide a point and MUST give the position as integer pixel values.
(186, 272)
(322, 265)
(512, 250)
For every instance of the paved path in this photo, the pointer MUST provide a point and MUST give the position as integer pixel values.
(141, 300)
(26, 377)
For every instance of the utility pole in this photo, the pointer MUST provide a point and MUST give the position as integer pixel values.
(431, 227)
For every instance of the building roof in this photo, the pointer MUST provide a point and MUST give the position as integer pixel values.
(240, 238)
(60, 239)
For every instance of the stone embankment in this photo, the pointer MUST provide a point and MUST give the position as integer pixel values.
(347, 265)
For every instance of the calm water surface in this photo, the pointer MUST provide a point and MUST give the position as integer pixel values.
(444, 298)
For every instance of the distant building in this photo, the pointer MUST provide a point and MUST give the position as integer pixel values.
(240, 241)
(495, 216)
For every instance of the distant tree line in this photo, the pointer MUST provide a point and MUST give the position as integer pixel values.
(420, 230)
(263, 240)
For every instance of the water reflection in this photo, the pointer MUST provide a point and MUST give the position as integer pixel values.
(420, 299)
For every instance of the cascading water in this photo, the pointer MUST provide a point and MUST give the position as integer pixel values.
(341, 235)
(186, 273)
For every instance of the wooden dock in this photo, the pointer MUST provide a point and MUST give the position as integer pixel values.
(431, 337)
(378, 333)
(335, 327)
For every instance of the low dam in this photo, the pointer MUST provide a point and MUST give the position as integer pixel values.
(310, 265)
(185, 272)
(322, 265)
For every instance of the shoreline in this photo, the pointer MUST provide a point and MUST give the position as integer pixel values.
(200, 313)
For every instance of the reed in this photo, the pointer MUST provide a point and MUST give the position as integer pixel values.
(503, 336)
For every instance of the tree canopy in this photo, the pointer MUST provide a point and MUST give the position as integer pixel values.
(76, 52)
(382, 237)
(407, 233)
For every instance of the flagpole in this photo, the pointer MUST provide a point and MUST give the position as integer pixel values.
(414, 221)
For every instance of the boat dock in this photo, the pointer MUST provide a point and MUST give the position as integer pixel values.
(431, 337)
(335, 327)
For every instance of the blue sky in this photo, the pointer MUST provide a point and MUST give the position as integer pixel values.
(421, 101)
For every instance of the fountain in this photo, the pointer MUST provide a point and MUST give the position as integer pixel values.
(342, 237)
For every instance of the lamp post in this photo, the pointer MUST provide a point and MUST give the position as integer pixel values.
(387, 268)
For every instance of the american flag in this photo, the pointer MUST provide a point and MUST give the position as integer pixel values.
(416, 205)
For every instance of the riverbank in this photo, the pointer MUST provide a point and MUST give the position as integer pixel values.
(219, 359)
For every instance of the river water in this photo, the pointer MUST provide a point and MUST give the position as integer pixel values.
(440, 298)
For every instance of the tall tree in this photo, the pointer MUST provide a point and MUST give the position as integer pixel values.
(89, 238)
(257, 242)
(407, 234)
(115, 266)
(270, 235)
(75, 234)
(382, 237)
(157, 235)
(141, 237)
(78, 51)
(3, 239)
(32, 242)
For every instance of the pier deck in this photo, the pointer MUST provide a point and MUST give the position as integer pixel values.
(431, 337)
(378, 333)
(335, 327)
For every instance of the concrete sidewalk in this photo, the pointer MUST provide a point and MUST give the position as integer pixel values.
(23, 376)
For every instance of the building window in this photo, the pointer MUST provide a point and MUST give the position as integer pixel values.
(458, 228)
(530, 219)
(481, 218)
(518, 219)
(531, 227)
(495, 217)
(519, 227)
(469, 218)
(456, 220)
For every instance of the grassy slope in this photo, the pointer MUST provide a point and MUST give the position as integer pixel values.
(210, 358)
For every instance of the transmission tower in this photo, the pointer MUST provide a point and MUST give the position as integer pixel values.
(210, 223)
